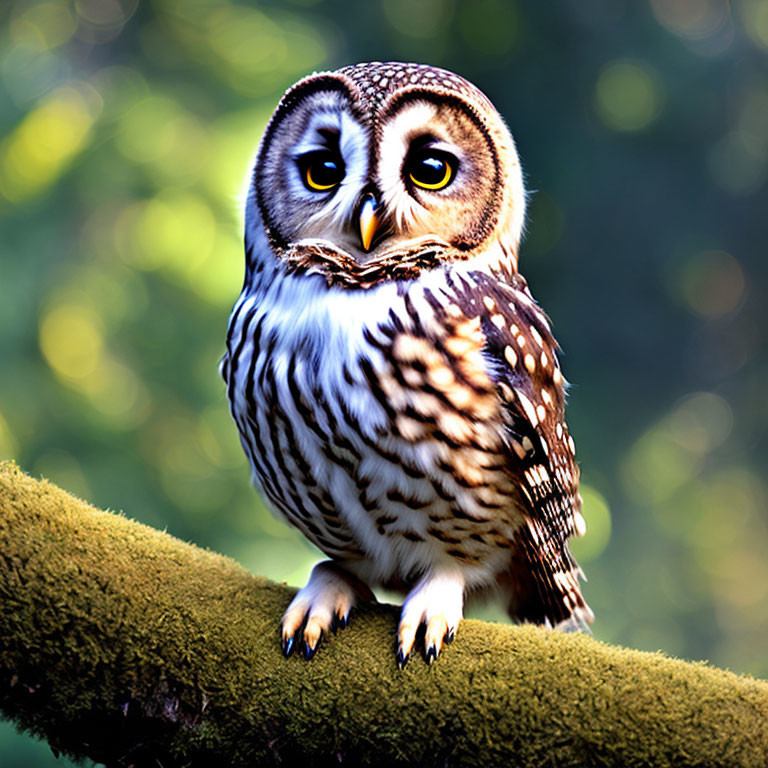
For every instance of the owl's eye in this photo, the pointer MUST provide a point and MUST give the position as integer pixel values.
(430, 169)
(321, 171)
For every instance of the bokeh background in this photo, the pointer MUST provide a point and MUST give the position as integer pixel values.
(127, 130)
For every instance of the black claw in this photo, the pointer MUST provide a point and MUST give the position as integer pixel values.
(344, 621)
(288, 646)
(334, 623)
(402, 658)
(431, 654)
(449, 636)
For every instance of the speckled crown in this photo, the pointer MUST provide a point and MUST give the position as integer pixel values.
(378, 80)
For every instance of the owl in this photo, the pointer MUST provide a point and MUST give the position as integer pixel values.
(396, 387)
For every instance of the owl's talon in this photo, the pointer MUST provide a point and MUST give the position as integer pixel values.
(322, 606)
(402, 658)
(450, 636)
(407, 638)
(432, 611)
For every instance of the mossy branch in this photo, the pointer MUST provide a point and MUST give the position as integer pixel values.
(123, 644)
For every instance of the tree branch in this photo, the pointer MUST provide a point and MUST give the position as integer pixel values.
(123, 644)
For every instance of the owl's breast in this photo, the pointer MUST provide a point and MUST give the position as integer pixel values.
(373, 452)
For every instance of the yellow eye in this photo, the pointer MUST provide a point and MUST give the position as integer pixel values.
(431, 170)
(322, 171)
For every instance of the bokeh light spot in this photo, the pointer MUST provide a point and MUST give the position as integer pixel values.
(728, 536)
(247, 40)
(741, 578)
(148, 129)
(117, 393)
(628, 95)
(71, 340)
(45, 141)
(105, 12)
(713, 284)
(251, 51)
(174, 232)
(43, 26)
(159, 132)
(72, 343)
(663, 469)
(693, 19)
(729, 505)
(657, 466)
(701, 422)
(755, 15)
(597, 515)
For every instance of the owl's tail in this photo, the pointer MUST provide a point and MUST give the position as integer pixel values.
(543, 585)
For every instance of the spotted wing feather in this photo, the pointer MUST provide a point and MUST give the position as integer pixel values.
(521, 358)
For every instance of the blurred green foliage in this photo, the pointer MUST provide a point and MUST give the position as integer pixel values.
(128, 129)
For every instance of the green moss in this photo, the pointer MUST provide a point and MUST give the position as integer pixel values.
(118, 641)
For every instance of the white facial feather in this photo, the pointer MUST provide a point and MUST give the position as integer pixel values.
(396, 138)
(331, 116)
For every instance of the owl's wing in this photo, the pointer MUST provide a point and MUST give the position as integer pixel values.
(520, 357)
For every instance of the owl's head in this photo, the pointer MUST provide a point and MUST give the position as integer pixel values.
(382, 163)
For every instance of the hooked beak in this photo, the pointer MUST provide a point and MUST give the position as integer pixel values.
(369, 221)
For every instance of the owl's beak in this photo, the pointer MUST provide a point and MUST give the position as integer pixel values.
(369, 221)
